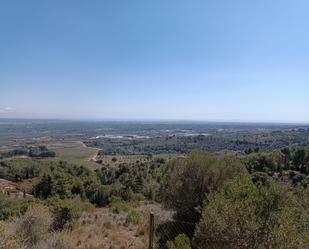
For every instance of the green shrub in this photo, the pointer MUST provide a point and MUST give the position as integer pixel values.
(83, 205)
(118, 207)
(65, 213)
(101, 196)
(254, 212)
(133, 217)
(180, 242)
(45, 188)
(12, 207)
(187, 182)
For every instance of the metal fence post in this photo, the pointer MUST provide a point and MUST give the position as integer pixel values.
(151, 231)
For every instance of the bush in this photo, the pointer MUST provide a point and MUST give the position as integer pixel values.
(65, 213)
(45, 188)
(33, 226)
(138, 197)
(83, 206)
(101, 196)
(133, 217)
(181, 242)
(118, 207)
(8, 239)
(258, 213)
(188, 182)
(12, 207)
(143, 226)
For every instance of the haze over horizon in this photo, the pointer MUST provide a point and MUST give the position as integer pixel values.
(163, 60)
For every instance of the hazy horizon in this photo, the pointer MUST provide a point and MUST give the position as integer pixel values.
(213, 61)
(150, 120)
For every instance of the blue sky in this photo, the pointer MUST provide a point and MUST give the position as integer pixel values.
(216, 60)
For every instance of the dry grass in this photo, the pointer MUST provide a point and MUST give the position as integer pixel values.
(100, 229)
(101, 236)
(8, 239)
(34, 225)
(55, 241)
(104, 229)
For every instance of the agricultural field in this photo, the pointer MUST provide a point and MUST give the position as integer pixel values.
(75, 150)
(112, 185)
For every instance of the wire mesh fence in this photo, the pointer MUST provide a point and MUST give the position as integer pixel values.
(169, 233)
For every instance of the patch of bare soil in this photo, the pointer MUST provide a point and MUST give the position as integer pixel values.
(19, 189)
(7, 186)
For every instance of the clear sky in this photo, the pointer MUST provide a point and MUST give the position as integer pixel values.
(217, 60)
